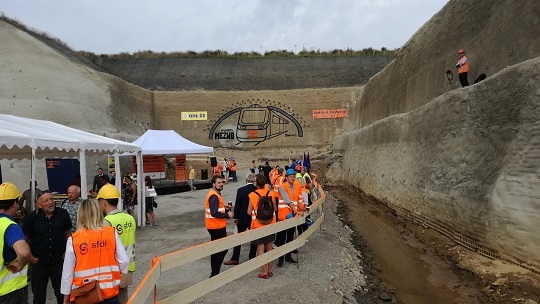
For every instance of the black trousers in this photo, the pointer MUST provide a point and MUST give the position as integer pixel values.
(19, 296)
(41, 273)
(236, 250)
(216, 259)
(284, 237)
(463, 79)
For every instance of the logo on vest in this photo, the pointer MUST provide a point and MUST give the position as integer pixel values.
(83, 248)
(119, 229)
(99, 244)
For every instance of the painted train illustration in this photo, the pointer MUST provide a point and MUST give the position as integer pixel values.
(257, 124)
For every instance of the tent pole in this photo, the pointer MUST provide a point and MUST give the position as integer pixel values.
(119, 179)
(140, 190)
(82, 169)
(33, 181)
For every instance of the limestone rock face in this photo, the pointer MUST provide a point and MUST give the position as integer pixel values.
(39, 82)
(468, 159)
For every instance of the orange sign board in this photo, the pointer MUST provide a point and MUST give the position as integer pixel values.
(332, 113)
(181, 167)
(150, 164)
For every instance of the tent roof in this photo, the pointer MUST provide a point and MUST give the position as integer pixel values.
(19, 135)
(168, 142)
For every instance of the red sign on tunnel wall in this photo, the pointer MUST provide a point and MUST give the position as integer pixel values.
(332, 113)
(150, 164)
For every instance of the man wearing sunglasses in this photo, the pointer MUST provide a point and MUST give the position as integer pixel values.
(47, 230)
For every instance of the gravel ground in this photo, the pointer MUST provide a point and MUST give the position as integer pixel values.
(329, 271)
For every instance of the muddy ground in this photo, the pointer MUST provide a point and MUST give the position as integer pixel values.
(407, 263)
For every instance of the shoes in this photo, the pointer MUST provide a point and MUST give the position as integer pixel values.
(155, 224)
(230, 262)
(290, 260)
(270, 274)
(149, 225)
(280, 263)
(263, 276)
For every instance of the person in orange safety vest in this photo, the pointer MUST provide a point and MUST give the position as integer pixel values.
(290, 198)
(463, 68)
(264, 244)
(216, 215)
(93, 253)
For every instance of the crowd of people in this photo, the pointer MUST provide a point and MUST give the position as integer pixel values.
(86, 243)
(79, 242)
(284, 191)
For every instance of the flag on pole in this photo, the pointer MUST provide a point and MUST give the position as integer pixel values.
(306, 162)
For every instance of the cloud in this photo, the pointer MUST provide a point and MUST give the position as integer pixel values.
(104, 26)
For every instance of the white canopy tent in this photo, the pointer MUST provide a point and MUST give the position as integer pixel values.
(26, 138)
(168, 142)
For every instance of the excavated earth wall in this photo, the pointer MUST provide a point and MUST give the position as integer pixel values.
(37, 81)
(466, 161)
(215, 74)
(495, 34)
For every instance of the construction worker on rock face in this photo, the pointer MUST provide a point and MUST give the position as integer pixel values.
(463, 68)
(124, 224)
(14, 251)
(290, 197)
(216, 215)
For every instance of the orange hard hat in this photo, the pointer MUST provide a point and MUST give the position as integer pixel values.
(462, 51)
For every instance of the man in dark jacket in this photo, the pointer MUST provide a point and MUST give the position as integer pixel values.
(97, 180)
(241, 218)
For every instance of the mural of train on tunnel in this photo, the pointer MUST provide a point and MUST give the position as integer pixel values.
(257, 123)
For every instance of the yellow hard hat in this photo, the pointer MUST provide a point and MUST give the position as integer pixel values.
(108, 191)
(9, 191)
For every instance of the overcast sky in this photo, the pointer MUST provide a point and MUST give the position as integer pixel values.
(113, 26)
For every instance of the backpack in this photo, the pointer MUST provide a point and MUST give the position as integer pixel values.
(265, 209)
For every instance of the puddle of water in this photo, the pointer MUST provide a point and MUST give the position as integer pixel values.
(401, 265)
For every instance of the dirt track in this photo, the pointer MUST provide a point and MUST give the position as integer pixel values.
(408, 263)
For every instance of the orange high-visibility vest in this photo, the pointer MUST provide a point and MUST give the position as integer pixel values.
(95, 260)
(254, 199)
(277, 182)
(463, 63)
(213, 222)
(218, 169)
(233, 167)
(296, 199)
(272, 174)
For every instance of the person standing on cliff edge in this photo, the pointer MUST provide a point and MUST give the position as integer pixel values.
(463, 68)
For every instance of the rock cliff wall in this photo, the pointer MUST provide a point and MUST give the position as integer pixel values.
(466, 161)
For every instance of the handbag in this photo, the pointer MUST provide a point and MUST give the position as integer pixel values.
(89, 293)
(154, 203)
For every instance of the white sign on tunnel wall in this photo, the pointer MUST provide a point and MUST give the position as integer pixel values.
(200, 115)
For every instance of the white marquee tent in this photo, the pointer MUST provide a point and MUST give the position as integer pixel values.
(168, 142)
(26, 138)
